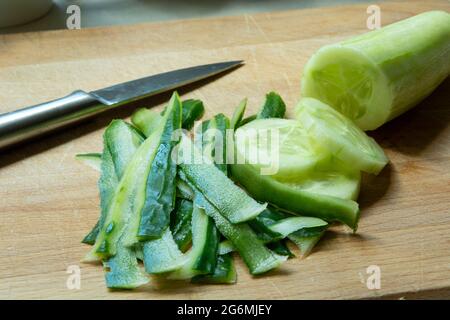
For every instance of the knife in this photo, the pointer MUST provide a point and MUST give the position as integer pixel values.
(19, 125)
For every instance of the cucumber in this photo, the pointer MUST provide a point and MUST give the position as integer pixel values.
(120, 142)
(162, 255)
(280, 146)
(256, 256)
(225, 247)
(147, 120)
(297, 201)
(342, 137)
(127, 205)
(274, 107)
(93, 160)
(228, 198)
(280, 247)
(374, 77)
(289, 225)
(307, 238)
(213, 130)
(193, 110)
(201, 258)
(238, 114)
(180, 223)
(225, 272)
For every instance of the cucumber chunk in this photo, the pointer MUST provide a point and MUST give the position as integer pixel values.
(343, 138)
(374, 77)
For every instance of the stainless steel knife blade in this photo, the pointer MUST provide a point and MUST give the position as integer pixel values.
(144, 87)
(36, 120)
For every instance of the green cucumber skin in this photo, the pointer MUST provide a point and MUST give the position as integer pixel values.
(180, 224)
(193, 110)
(224, 272)
(274, 107)
(412, 56)
(280, 248)
(256, 256)
(229, 199)
(238, 114)
(206, 261)
(147, 121)
(160, 187)
(306, 239)
(264, 188)
(120, 142)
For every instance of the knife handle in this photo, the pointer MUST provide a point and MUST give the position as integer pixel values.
(17, 126)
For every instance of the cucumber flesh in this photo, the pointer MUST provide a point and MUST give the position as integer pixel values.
(374, 77)
(306, 239)
(290, 225)
(297, 201)
(344, 139)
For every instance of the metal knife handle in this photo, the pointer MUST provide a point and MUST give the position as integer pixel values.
(17, 126)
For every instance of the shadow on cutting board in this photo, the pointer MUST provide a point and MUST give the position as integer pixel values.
(41, 144)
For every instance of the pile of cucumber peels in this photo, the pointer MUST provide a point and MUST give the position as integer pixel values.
(181, 206)
(183, 218)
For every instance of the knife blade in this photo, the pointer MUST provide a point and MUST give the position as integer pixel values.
(20, 125)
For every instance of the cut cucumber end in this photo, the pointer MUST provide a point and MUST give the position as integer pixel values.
(349, 82)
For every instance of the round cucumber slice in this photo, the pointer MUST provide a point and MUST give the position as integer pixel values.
(343, 138)
(349, 82)
(281, 144)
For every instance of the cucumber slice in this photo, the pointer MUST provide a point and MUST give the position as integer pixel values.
(345, 140)
(305, 203)
(93, 160)
(374, 77)
(281, 147)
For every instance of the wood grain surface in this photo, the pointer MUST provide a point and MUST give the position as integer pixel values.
(48, 201)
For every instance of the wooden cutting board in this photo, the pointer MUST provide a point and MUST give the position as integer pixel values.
(49, 201)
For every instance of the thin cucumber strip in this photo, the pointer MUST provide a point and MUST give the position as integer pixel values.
(261, 225)
(147, 121)
(238, 114)
(93, 160)
(256, 256)
(120, 142)
(201, 258)
(193, 110)
(184, 191)
(228, 198)
(124, 214)
(213, 138)
(247, 120)
(265, 188)
(290, 225)
(180, 223)
(306, 239)
(374, 77)
(225, 247)
(224, 272)
(274, 107)
(162, 255)
(280, 248)
(123, 270)
(161, 190)
(342, 137)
